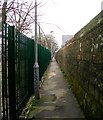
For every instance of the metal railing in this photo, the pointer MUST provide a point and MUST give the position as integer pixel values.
(17, 70)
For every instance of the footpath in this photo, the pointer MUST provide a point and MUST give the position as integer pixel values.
(56, 98)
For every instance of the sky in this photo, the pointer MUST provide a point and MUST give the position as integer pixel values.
(66, 17)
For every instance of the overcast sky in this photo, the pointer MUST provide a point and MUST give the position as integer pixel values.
(67, 16)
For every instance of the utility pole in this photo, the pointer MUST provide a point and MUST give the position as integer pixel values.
(39, 34)
(36, 66)
(51, 43)
(0, 56)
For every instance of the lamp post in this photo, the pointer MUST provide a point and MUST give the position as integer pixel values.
(36, 66)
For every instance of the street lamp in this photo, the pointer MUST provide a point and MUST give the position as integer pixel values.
(36, 66)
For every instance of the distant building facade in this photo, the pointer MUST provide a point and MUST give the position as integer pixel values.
(66, 38)
(101, 5)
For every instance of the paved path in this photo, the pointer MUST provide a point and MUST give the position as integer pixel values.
(57, 100)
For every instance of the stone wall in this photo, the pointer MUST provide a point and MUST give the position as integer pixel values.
(81, 59)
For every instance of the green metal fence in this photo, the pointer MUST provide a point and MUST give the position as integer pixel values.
(18, 82)
(20, 68)
(43, 59)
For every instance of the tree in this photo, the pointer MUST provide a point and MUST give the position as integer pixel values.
(21, 14)
(42, 40)
(52, 43)
(48, 41)
(0, 13)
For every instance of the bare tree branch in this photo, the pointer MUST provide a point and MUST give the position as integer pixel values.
(21, 14)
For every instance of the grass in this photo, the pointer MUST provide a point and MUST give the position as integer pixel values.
(31, 105)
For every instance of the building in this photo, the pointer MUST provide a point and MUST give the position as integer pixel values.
(101, 5)
(66, 38)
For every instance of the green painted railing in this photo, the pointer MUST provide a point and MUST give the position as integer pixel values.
(19, 79)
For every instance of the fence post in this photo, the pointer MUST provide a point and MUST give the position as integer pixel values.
(4, 62)
(0, 99)
(11, 73)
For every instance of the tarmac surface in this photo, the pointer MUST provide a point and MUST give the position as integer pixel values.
(56, 98)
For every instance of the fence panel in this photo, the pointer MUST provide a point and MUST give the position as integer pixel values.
(44, 57)
(17, 70)
(5, 98)
(20, 62)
